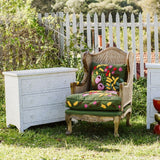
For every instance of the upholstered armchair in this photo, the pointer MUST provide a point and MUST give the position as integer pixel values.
(105, 93)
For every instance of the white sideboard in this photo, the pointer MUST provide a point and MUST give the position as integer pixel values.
(153, 90)
(35, 97)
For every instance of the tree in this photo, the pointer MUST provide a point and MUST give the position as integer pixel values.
(72, 6)
(43, 5)
(58, 6)
(150, 6)
(114, 6)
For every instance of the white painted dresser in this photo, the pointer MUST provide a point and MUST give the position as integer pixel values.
(153, 89)
(35, 97)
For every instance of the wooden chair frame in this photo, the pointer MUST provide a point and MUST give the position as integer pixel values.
(111, 55)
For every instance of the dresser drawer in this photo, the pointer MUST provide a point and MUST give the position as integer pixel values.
(46, 83)
(41, 115)
(44, 99)
(155, 79)
(155, 92)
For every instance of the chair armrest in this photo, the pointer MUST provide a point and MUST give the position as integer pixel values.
(126, 89)
(77, 87)
(125, 93)
(85, 84)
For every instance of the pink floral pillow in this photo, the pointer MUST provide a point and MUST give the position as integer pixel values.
(108, 77)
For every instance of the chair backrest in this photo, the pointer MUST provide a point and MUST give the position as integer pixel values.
(111, 55)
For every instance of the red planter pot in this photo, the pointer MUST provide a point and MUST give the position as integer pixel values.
(157, 129)
(156, 103)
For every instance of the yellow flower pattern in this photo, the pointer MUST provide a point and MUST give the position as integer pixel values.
(109, 103)
(103, 106)
(75, 103)
(69, 103)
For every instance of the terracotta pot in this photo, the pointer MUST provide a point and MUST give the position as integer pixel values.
(157, 129)
(156, 103)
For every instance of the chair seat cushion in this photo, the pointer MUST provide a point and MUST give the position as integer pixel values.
(94, 100)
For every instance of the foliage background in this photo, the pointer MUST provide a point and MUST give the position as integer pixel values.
(90, 6)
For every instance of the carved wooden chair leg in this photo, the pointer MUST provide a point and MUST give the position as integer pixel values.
(116, 125)
(128, 119)
(69, 124)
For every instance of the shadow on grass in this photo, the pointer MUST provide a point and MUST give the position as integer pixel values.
(93, 136)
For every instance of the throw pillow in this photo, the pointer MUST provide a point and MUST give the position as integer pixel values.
(107, 76)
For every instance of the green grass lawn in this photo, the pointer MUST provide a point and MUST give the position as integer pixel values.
(88, 141)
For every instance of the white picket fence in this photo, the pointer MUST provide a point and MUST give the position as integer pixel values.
(77, 25)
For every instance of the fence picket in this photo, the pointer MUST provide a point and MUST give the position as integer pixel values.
(62, 33)
(74, 33)
(88, 31)
(81, 31)
(156, 38)
(103, 31)
(141, 45)
(125, 35)
(74, 24)
(110, 31)
(40, 18)
(54, 26)
(67, 36)
(67, 31)
(148, 39)
(46, 23)
(118, 30)
(96, 32)
(133, 43)
(58, 30)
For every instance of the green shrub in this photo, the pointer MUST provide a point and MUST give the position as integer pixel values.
(24, 42)
(139, 97)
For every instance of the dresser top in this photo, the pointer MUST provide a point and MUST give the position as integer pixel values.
(40, 71)
(153, 65)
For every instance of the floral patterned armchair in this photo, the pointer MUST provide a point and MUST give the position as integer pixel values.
(105, 93)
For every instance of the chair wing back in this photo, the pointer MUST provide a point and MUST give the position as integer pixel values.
(111, 55)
